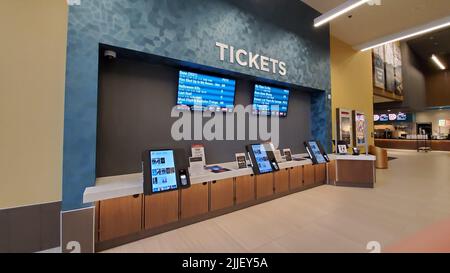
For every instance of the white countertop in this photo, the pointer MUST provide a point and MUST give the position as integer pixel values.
(131, 184)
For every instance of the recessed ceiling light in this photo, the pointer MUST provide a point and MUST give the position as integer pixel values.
(338, 11)
(413, 32)
(438, 62)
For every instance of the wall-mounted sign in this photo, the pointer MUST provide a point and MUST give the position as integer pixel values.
(242, 57)
(392, 117)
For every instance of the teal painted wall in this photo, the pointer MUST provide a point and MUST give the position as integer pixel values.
(186, 30)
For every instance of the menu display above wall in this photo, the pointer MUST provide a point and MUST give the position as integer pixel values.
(270, 101)
(392, 117)
(205, 93)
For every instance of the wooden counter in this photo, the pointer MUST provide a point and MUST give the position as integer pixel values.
(124, 214)
(406, 144)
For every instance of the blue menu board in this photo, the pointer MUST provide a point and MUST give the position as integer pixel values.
(205, 93)
(266, 99)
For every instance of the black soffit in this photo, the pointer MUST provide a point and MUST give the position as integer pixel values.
(437, 43)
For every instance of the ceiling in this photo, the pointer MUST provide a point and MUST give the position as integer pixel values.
(368, 23)
(437, 43)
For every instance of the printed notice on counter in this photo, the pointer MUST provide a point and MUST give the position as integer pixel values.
(198, 150)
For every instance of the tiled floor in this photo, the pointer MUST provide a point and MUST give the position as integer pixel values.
(413, 194)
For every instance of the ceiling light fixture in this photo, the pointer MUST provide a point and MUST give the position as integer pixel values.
(338, 11)
(416, 31)
(438, 62)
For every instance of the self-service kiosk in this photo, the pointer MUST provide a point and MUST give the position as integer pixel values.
(316, 152)
(262, 158)
(165, 170)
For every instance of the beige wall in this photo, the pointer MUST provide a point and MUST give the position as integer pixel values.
(351, 81)
(32, 72)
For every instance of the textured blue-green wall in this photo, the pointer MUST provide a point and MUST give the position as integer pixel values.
(186, 30)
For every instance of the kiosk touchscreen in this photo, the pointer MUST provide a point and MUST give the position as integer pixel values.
(316, 152)
(164, 170)
(262, 158)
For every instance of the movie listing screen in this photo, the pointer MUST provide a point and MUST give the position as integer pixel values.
(270, 101)
(201, 92)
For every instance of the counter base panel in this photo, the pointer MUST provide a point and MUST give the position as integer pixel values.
(104, 245)
(350, 173)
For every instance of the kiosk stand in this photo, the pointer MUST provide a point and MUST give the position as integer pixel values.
(353, 170)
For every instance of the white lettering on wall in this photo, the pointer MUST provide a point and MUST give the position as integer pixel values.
(242, 57)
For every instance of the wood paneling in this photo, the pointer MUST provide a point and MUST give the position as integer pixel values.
(320, 173)
(308, 175)
(97, 221)
(396, 144)
(194, 200)
(332, 172)
(296, 178)
(264, 185)
(405, 144)
(161, 209)
(355, 172)
(222, 194)
(440, 145)
(245, 189)
(120, 217)
(281, 181)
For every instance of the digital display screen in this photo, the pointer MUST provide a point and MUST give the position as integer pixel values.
(315, 150)
(270, 101)
(393, 117)
(384, 117)
(162, 166)
(402, 117)
(201, 92)
(261, 158)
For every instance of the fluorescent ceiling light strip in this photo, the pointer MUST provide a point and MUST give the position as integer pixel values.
(416, 31)
(438, 62)
(338, 11)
